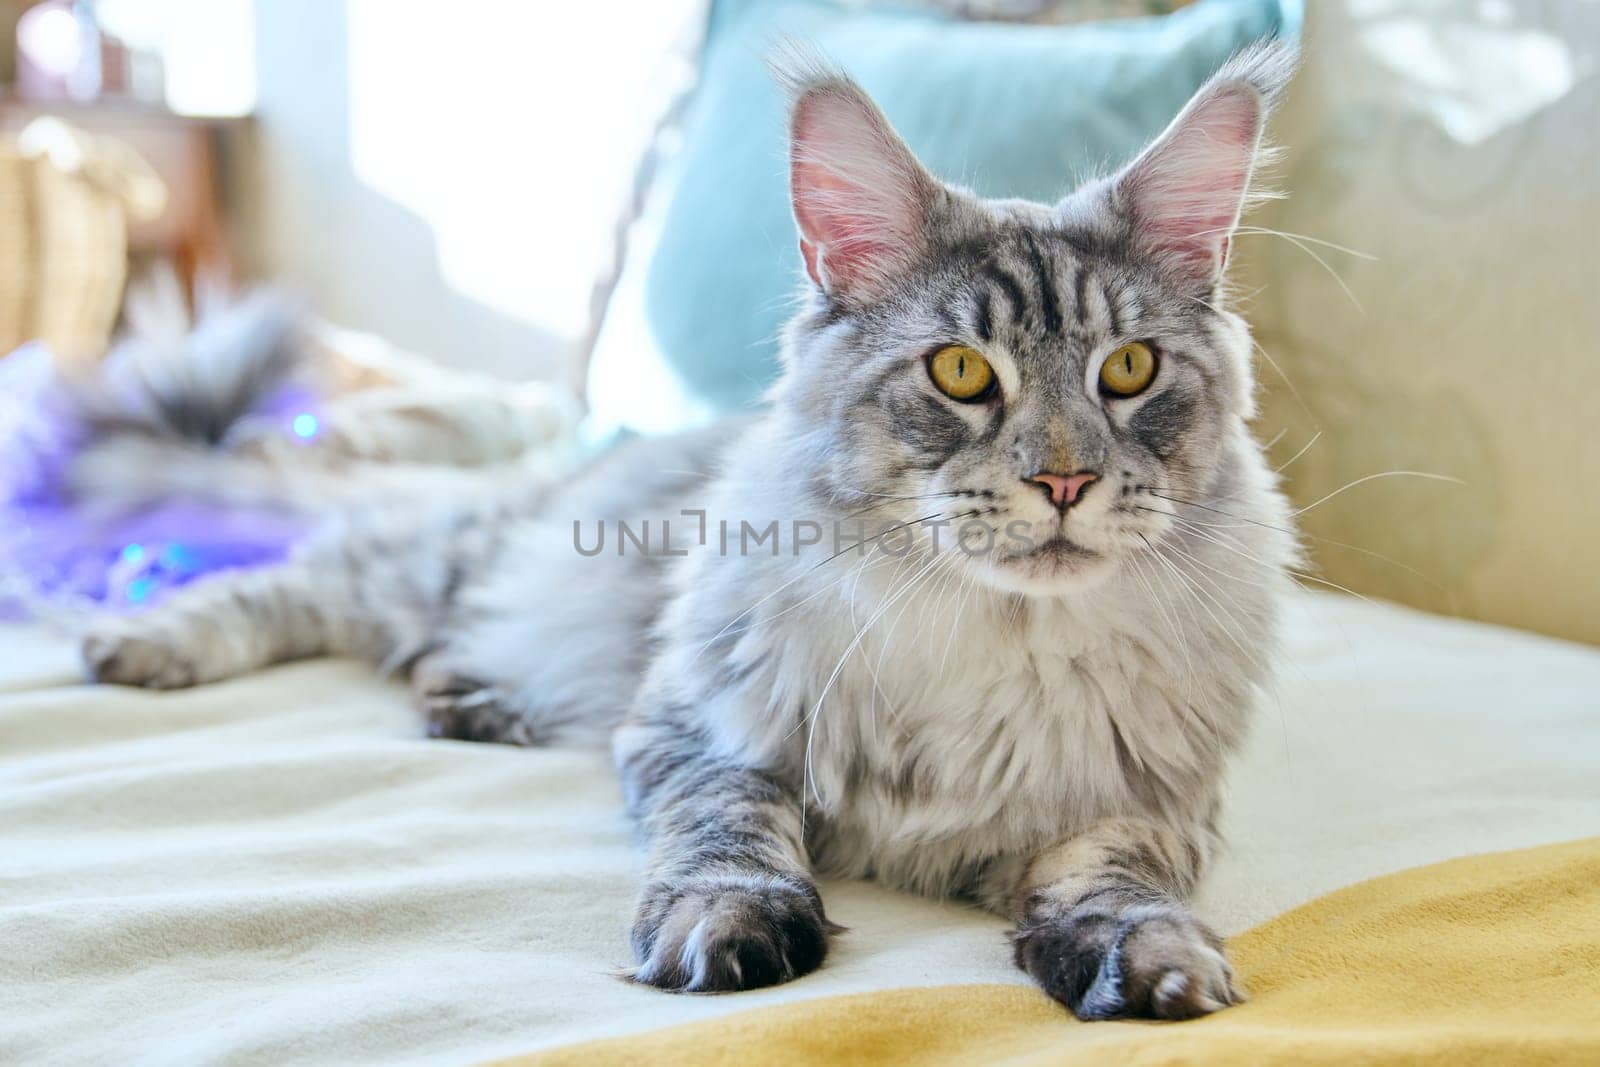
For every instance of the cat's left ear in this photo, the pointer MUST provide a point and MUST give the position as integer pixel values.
(861, 199)
(1183, 196)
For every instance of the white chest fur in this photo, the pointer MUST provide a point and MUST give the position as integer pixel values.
(939, 724)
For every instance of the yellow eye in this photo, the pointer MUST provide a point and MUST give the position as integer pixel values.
(961, 373)
(1129, 370)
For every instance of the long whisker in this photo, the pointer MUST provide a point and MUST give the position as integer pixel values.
(911, 496)
(1277, 699)
(1171, 622)
(1241, 579)
(1335, 275)
(877, 687)
(861, 545)
(951, 573)
(1281, 373)
(1188, 600)
(888, 637)
(891, 599)
(1268, 231)
(1375, 477)
(1230, 598)
(855, 643)
(809, 721)
(1334, 585)
(1304, 244)
(1244, 521)
(1197, 590)
(1291, 574)
(1295, 574)
(893, 499)
(1189, 583)
(1303, 450)
(855, 572)
(968, 583)
(1226, 603)
(1241, 520)
(874, 669)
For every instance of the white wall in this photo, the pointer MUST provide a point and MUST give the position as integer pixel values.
(448, 175)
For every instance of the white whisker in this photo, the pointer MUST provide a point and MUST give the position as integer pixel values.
(1194, 589)
(855, 643)
(1303, 450)
(1268, 231)
(1375, 477)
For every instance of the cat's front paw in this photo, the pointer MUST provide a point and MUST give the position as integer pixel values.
(461, 707)
(1148, 961)
(723, 933)
(115, 651)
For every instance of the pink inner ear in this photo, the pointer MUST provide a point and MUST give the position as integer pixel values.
(1187, 189)
(808, 252)
(840, 221)
(855, 193)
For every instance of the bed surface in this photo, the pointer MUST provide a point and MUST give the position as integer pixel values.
(282, 868)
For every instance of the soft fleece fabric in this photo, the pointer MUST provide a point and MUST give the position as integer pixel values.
(281, 869)
(1487, 960)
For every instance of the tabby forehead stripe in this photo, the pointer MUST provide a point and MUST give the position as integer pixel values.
(1080, 280)
(1044, 278)
(1009, 286)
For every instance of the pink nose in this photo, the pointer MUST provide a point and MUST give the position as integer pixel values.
(1063, 488)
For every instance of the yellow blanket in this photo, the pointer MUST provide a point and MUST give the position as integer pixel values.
(1490, 959)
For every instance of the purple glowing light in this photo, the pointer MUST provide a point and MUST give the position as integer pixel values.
(56, 549)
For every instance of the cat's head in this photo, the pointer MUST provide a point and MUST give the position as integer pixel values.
(1046, 369)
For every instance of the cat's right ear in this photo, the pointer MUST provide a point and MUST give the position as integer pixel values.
(861, 199)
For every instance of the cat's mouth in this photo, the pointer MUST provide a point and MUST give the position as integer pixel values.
(1058, 551)
(1055, 565)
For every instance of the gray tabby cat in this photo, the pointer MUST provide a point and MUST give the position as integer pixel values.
(1038, 724)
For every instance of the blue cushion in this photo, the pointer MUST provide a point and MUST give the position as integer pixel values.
(1006, 109)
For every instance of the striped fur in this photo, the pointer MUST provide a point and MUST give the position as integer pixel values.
(1040, 725)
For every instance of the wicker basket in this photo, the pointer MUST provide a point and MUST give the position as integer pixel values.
(65, 203)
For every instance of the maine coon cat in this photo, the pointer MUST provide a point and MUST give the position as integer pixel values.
(1017, 676)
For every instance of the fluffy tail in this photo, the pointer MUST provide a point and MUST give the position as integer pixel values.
(159, 417)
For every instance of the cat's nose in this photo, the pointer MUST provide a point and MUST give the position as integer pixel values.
(1063, 489)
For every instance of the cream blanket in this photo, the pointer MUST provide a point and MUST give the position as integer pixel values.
(280, 869)
(1481, 961)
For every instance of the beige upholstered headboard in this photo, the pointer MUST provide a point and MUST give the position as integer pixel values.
(1464, 155)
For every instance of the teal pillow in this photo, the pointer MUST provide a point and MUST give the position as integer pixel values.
(1006, 109)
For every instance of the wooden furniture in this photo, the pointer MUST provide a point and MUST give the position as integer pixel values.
(183, 152)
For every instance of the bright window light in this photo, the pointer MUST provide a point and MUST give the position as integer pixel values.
(207, 48)
(512, 130)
